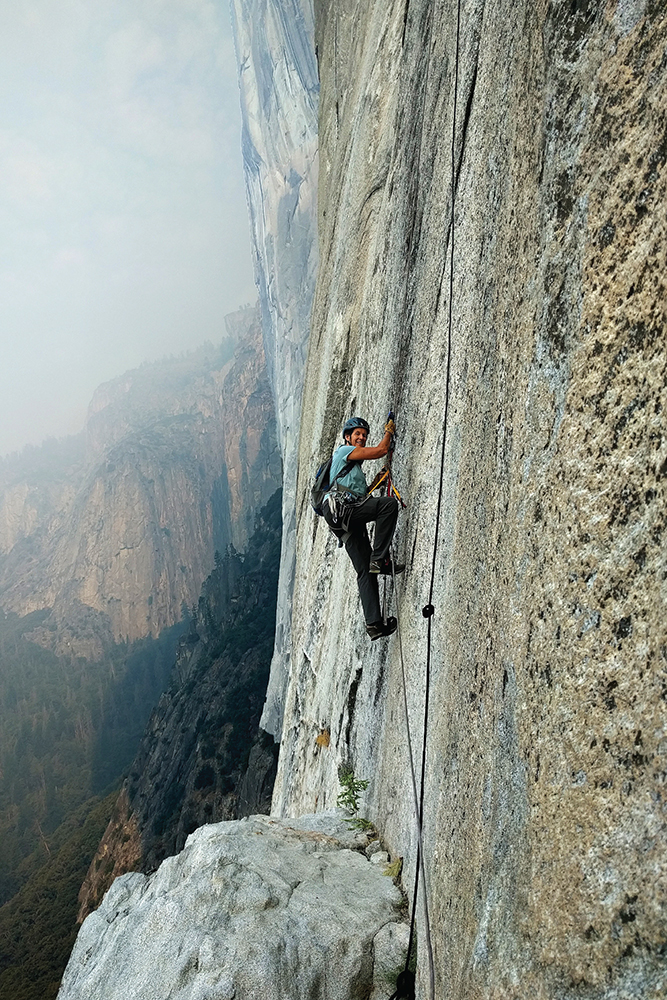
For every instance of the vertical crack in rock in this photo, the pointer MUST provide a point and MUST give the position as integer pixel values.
(351, 704)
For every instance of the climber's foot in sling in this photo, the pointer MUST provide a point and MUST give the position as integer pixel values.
(385, 567)
(377, 630)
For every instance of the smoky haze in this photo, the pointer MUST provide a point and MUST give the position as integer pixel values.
(123, 222)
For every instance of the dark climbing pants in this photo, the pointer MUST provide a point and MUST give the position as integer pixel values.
(384, 511)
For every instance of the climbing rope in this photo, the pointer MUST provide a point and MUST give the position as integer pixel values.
(406, 982)
(418, 814)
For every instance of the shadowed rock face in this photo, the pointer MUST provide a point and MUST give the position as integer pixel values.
(249, 909)
(116, 536)
(279, 92)
(545, 768)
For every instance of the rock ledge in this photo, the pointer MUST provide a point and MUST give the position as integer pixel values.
(256, 907)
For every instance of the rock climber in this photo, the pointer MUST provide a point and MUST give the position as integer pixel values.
(348, 508)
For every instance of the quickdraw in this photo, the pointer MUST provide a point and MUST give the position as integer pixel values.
(385, 474)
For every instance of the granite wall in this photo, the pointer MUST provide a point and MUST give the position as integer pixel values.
(544, 821)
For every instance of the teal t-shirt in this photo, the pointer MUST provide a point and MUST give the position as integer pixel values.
(355, 480)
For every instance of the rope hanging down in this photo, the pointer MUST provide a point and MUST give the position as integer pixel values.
(405, 984)
(405, 981)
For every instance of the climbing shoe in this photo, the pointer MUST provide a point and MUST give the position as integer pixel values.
(377, 629)
(385, 567)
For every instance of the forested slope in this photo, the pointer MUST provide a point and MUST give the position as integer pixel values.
(69, 728)
(38, 926)
(203, 758)
(105, 539)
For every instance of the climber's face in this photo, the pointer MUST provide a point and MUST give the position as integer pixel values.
(358, 437)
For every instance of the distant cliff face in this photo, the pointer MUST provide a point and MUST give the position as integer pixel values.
(545, 760)
(179, 456)
(202, 758)
(279, 95)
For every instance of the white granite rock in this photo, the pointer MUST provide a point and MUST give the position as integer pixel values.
(254, 908)
(390, 947)
(379, 858)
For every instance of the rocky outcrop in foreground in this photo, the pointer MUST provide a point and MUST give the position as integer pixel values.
(249, 909)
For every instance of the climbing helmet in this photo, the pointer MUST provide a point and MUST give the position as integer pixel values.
(353, 423)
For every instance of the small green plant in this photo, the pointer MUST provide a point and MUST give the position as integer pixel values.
(359, 823)
(348, 798)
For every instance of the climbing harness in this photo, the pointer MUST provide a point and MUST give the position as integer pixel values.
(341, 505)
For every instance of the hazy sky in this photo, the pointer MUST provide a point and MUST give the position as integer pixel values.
(123, 222)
